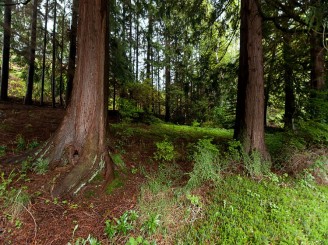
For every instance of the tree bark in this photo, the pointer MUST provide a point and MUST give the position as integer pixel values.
(289, 85)
(6, 51)
(249, 125)
(61, 81)
(44, 50)
(167, 71)
(54, 47)
(317, 62)
(72, 51)
(80, 142)
(30, 81)
(269, 83)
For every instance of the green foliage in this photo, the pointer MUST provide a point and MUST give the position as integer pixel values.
(139, 241)
(90, 240)
(118, 161)
(40, 166)
(255, 165)
(318, 106)
(116, 183)
(110, 229)
(123, 225)
(5, 182)
(20, 142)
(128, 109)
(320, 168)
(164, 152)
(206, 164)
(12, 200)
(151, 224)
(234, 150)
(248, 212)
(33, 144)
(313, 132)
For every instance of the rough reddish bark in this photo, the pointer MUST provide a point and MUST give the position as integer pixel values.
(249, 126)
(80, 142)
(72, 51)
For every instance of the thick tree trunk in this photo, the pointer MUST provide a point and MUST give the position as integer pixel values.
(44, 51)
(249, 126)
(80, 142)
(30, 81)
(72, 51)
(6, 51)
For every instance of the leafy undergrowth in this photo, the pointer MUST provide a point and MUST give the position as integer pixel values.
(176, 185)
(273, 211)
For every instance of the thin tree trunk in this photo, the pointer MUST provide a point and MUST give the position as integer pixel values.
(137, 41)
(6, 51)
(167, 90)
(30, 81)
(289, 86)
(249, 125)
(317, 62)
(167, 71)
(72, 51)
(61, 58)
(80, 142)
(44, 51)
(269, 84)
(149, 45)
(130, 34)
(53, 77)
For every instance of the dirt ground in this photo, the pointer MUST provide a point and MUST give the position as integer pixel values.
(45, 220)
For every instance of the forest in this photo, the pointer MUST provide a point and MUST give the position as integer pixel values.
(163, 122)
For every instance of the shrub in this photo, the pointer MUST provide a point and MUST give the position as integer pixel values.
(206, 164)
(255, 165)
(164, 152)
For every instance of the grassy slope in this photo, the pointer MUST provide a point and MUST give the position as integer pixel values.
(272, 210)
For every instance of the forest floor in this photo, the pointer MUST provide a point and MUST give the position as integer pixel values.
(29, 215)
(45, 220)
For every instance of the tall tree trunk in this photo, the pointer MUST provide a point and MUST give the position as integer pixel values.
(61, 57)
(44, 50)
(54, 47)
(72, 51)
(249, 126)
(317, 82)
(137, 41)
(269, 84)
(317, 62)
(6, 51)
(130, 34)
(167, 85)
(167, 70)
(149, 46)
(289, 85)
(30, 81)
(80, 142)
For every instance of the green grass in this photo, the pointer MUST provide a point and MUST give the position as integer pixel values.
(171, 131)
(244, 211)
